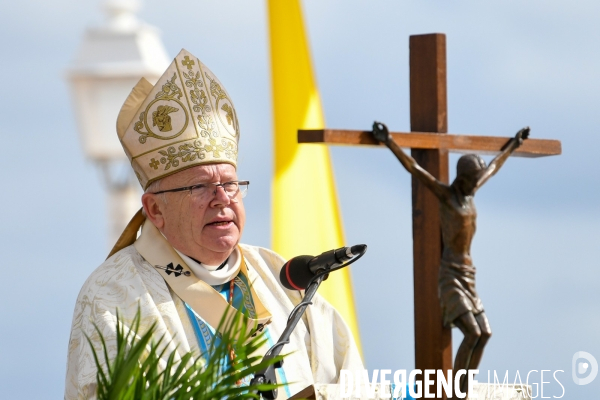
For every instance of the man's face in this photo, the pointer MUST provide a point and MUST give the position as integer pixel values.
(205, 229)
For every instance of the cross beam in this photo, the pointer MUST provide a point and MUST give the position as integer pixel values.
(488, 145)
(430, 144)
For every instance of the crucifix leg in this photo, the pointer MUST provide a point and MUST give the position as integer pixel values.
(477, 332)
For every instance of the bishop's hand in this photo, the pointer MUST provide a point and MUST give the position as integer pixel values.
(522, 135)
(381, 133)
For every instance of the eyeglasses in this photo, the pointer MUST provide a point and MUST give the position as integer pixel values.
(204, 191)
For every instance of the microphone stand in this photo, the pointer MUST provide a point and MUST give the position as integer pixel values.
(267, 375)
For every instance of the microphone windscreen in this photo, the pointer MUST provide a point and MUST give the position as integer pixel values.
(295, 274)
(358, 249)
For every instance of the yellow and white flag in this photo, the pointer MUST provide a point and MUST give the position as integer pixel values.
(306, 217)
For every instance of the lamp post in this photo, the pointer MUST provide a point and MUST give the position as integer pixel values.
(110, 61)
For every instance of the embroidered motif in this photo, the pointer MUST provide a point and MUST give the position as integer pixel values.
(207, 126)
(207, 335)
(226, 111)
(246, 296)
(215, 89)
(197, 151)
(169, 90)
(229, 112)
(161, 118)
(187, 62)
(154, 163)
(198, 97)
(159, 110)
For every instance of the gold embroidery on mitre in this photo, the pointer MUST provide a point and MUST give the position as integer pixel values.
(161, 118)
(200, 100)
(159, 110)
(187, 62)
(186, 119)
(226, 110)
(190, 152)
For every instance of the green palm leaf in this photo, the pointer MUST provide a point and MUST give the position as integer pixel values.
(135, 372)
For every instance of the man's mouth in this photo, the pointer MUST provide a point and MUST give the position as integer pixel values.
(219, 223)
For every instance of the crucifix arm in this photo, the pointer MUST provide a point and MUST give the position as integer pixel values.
(381, 133)
(501, 158)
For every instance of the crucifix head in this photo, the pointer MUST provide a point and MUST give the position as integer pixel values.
(469, 169)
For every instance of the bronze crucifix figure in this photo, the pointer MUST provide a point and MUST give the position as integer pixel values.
(429, 144)
(461, 306)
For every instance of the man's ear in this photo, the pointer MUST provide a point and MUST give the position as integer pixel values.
(153, 209)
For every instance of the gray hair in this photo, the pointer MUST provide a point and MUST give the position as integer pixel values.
(153, 187)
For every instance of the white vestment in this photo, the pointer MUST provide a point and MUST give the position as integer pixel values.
(127, 281)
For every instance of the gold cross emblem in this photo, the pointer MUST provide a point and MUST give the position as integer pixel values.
(187, 62)
(154, 163)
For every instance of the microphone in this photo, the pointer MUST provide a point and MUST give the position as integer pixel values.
(297, 273)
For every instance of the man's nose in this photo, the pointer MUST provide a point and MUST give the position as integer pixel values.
(221, 197)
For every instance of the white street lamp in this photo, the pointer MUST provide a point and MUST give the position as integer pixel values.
(108, 64)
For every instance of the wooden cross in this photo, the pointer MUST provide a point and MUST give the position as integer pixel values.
(429, 144)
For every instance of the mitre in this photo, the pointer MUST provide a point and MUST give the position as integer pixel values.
(186, 119)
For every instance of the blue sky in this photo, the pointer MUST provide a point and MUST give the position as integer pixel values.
(510, 64)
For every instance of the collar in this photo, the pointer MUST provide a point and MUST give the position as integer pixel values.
(211, 274)
(199, 295)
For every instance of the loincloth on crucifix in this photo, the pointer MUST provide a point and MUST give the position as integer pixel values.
(456, 286)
